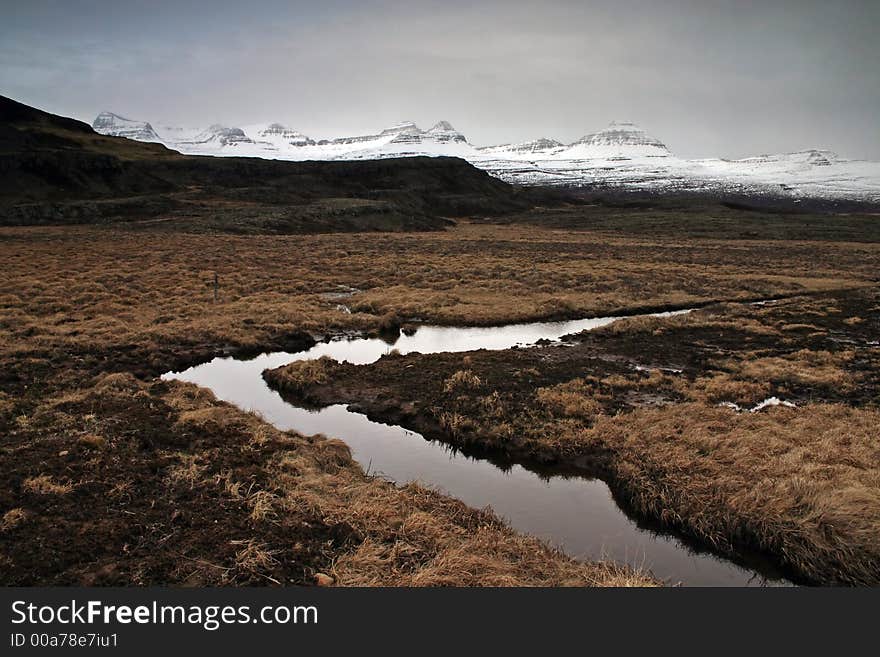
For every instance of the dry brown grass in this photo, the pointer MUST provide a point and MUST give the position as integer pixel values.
(801, 483)
(409, 536)
(804, 366)
(413, 536)
(208, 418)
(84, 288)
(46, 485)
(12, 519)
(455, 424)
(572, 399)
(262, 505)
(254, 557)
(461, 380)
(299, 374)
(188, 471)
(724, 387)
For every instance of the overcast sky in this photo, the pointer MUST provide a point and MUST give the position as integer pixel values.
(709, 78)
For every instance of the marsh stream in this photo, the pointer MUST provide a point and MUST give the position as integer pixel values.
(576, 514)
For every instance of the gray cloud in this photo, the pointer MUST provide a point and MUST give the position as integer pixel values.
(709, 78)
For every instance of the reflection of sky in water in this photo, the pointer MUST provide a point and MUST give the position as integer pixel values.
(576, 514)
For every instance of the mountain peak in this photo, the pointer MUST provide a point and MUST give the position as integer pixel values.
(625, 137)
(108, 123)
(623, 125)
(441, 133)
(540, 145)
(442, 126)
(402, 128)
(279, 131)
(222, 135)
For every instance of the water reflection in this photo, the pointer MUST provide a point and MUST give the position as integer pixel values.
(576, 514)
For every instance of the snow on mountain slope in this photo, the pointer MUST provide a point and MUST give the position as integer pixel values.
(108, 123)
(623, 140)
(278, 136)
(534, 147)
(789, 175)
(443, 132)
(441, 139)
(400, 140)
(625, 157)
(619, 141)
(214, 138)
(275, 140)
(371, 141)
(621, 156)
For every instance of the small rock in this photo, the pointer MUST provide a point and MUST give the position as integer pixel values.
(323, 580)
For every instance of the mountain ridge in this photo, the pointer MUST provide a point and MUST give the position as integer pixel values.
(619, 156)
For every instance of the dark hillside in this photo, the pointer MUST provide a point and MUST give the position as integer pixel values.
(58, 170)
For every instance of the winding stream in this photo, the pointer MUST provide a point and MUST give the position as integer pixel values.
(577, 514)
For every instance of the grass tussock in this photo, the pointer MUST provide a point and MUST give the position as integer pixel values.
(46, 485)
(571, 399)
(804, 484)
(13, 518)
(297, 376)
(724, 387)
(188, 471)
(803, 367)
(461, 380)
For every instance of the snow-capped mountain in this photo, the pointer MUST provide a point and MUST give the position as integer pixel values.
(542, 146)
(791, 175)
(217, 136)
(621, 156)
(385, 136)
(619, 140)
(443, 132)
(408, 139)
(625, 157)
(275, 140)
(279, 136)
(108, 123)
